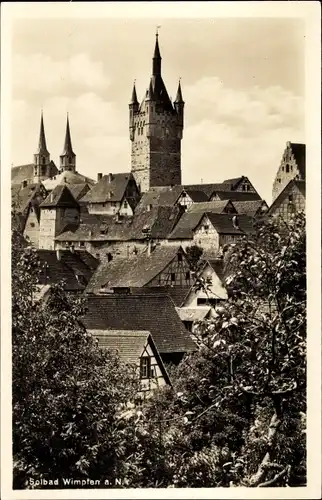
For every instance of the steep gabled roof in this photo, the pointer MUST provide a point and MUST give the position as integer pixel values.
(26, 172)
(186, 225)
(129, 345)
(207, 189)
(110, 188)
(216, 207)
(135, 272)
(300, 184)
(79, 190)
(22, 197)
(197, 196)
(249, 207)
(60, 196)
(178, 294)
(153, 313)
(224, 225)
(299, 152)
(236, 195)
(160, 196)
(72, 267)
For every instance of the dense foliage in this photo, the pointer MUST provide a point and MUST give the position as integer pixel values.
(235, 415)
(67, 393)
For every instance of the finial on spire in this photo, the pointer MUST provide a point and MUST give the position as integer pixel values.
(156, 55)
(157, 31)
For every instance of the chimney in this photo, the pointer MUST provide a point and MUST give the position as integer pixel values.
(24, 184)
(58, 253)
(99, 176)
(110, 177)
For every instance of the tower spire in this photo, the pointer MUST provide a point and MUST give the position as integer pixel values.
(179, 94)
(67, 158)
(134, 99)
(42, 146)
(156, 67)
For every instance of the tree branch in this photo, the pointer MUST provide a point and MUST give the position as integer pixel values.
(276, 478)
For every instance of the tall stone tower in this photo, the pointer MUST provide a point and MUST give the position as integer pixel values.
(68, 157)
(42, 164)
(156, 127)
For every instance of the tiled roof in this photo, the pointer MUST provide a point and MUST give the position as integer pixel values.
(216, 207)
(249, 207)
(22, 197)
(135, 272)
(208, 189)
(187, 223)
(110, 188)
(193, 313)
(233, 182)
(79, 190)
(160, 221)
(177, 293)
(196, 196)
(299, 152)
(153, 313)
(71, 267)
(66, 177)
(236, 195)
(160, 196)
(224, 225)
(60, 196)
(128, 343)
(218, 266)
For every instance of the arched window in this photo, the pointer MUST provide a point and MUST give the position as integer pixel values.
(287, 168)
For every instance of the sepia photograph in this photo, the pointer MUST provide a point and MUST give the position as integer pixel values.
(160, 180)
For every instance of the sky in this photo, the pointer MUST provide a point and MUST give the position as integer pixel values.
(242, 82)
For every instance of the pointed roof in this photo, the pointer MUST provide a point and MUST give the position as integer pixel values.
(68, 149)
(60, 196)
(157, 54)
(179, 99)
(134, 99)
(42, 146)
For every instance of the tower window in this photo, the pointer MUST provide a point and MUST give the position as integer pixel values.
(125, 204)
(287, 169)
(187, 275)
(173, 276)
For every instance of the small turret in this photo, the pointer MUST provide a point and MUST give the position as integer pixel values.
(42, 156)
(134, 107)
(68, 157)
(179, 106)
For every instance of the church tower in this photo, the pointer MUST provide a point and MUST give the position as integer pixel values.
(42, 164)
(68, 157)
(156, 127)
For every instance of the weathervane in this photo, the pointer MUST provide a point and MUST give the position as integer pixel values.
(157, 31)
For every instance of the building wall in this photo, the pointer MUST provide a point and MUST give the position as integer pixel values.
(292, 202)
(184, 200)
(287, 171)
(245, 185)
(103, 250)
(177, 273)
(157, 380)
(216, 289)
(52, 222)
(206, 236)
(156, 147)
(106, 208)
(31, 230)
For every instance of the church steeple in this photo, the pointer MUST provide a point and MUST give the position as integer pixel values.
(68, 157)
(42, 156)
(42, 146)
(156, 66)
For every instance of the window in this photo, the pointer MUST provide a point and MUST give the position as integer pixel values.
(290, 197)
(184, 195)
(173, 276)
(103, 204)
(113, 204)
(109, 257)
(32, 224)
(248, 187)
(287, 169)
(243, 187)
(179, 257)
(125, 204)
(206, 228)
(145, 367)
(291, 168)
(187, 275)
(82, 243)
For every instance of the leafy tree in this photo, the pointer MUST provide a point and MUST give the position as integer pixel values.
(67, 392)
(194, 254)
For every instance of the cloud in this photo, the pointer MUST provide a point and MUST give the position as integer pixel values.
(40, 72)
(227, 132)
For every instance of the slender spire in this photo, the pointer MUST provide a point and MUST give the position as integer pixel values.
(42, 147)
(68, 149)
(156, 57)
(179, 95)
(134, 99)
